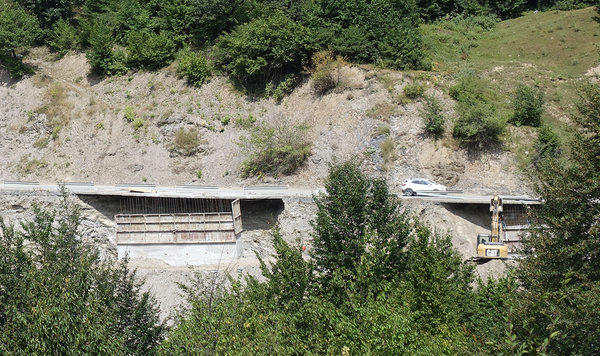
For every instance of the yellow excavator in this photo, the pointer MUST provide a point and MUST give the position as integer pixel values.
(489, 246)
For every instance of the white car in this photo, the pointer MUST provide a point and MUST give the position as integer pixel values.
(412, 186)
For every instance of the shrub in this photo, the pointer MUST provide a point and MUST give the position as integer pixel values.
(101, 56)
(138, 123)
(413, 90)
(470, 89)
(63, 37)
(147, 49)
(547, 145)
(477, 126)
(186, 142)
(61, 296)
(129, 113)
(284, 87)
(528, 103)
(506, 9)
(193, 66)
(434, 116)
(275, 150)
(18, 30)
(264, 49)
(326, 71)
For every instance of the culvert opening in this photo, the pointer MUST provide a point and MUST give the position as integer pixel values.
(261, 214)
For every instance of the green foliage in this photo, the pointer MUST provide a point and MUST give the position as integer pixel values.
(129, 113)
(264, 49)
(101, 56)
(284, 88)
(60, 297)
(49, 12)
(438, 281)
(528, 103)
(63, 37)
(371, 287)
(470, 89)
(193, 66)
(547, 145)
(433, 114)
(275, 150)
(413, 90)
(148, 49)
(358, 226)
(382, 32)
(326, 71)
(560, 270)
(506, 9)
(479, 124)
(209, 19)
(18, 31)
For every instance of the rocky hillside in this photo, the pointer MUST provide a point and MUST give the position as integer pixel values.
(62, 123)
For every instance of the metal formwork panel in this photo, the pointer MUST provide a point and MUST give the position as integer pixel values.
(174, 228)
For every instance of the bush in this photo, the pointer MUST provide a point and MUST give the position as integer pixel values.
(506, 9)
(18, 31)
(129, 113)
(471, 90)
(528, 104)
(264, 49)
(275, 150)
(147, 49)
(326, 71)
(186, 142)
(413, 90)
(63, 37)
(547, 145)
(193, 66)
(284, 87)
(434, 117)
(101, 56)
(477, 126)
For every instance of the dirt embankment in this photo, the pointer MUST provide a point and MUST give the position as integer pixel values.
(64, 124)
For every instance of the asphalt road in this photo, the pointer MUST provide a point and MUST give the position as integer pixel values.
(212, 192)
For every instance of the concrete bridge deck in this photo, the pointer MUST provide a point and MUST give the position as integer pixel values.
(244, 193)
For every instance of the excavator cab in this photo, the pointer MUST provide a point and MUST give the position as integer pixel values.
(489, 246)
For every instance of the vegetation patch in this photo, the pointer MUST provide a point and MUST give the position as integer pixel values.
(528, 104)
(56, 107)
(326, 71)
(479, 124)
(29, 165)
(381, 111)
(388, 151)
(193, 66)
(186, 142)
(433, 115)
(275, 150)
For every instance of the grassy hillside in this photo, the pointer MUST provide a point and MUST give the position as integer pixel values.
(551, 50)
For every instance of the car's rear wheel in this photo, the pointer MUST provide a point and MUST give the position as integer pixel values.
(409, 192)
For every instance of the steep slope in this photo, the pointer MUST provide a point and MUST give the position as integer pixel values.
(64, 124)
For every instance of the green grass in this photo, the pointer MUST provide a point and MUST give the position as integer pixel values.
(550, 50)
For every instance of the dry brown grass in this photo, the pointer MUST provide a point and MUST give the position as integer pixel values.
(57, 108)
(186, 142)
(388, 151)
(381, 111)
